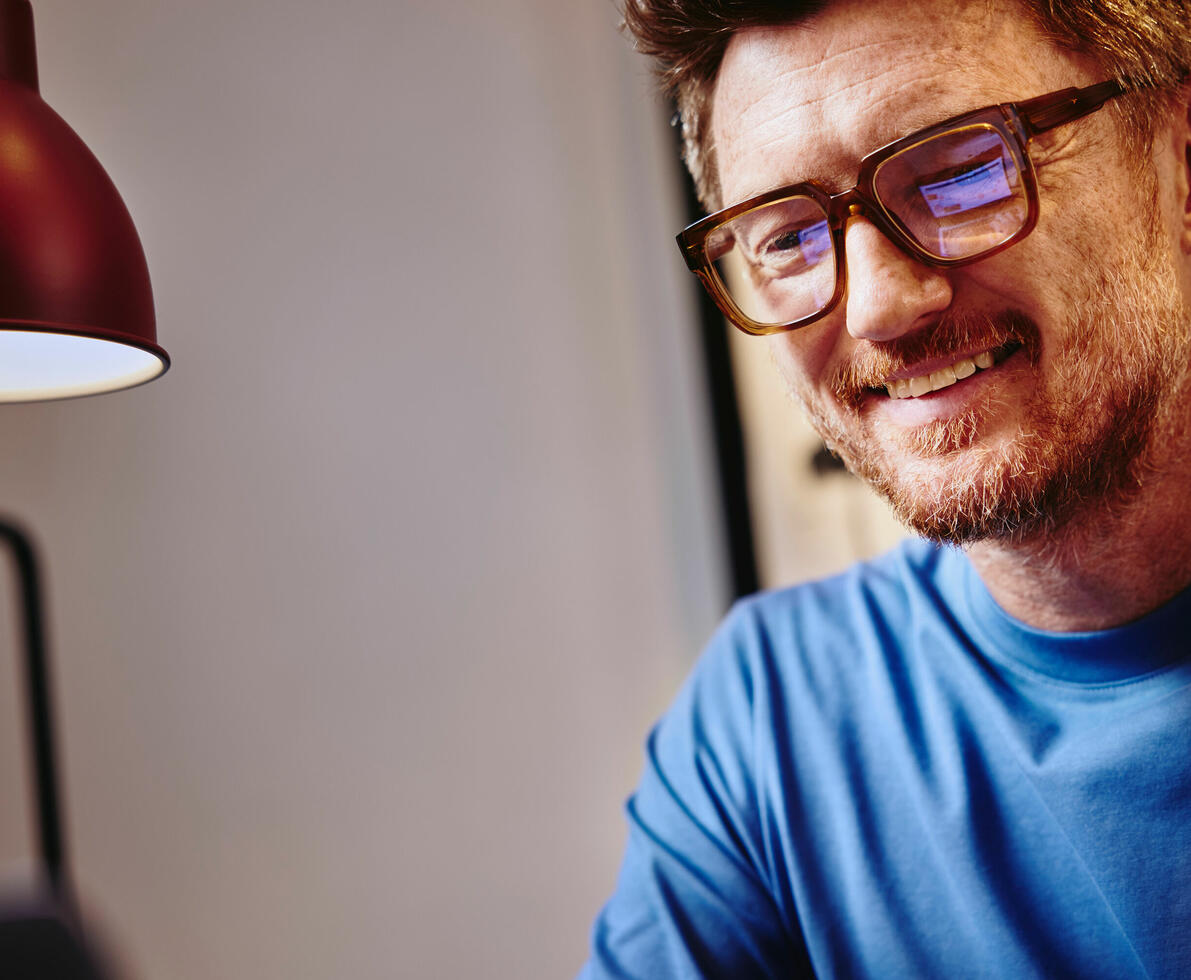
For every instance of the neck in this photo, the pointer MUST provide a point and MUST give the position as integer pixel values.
(1111, 563)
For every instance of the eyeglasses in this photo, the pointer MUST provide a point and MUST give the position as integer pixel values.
(947, 195)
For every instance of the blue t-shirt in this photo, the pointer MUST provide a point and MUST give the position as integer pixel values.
(885, 775)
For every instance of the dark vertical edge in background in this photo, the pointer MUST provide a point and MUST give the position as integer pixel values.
(38, 699)
(725, 417)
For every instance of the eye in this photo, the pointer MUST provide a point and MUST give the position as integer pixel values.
(783, 242)
(776, 241)
(792, 249)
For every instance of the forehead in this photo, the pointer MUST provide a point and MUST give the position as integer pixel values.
(809, 100)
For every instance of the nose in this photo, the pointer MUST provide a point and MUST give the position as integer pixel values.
(889, 293)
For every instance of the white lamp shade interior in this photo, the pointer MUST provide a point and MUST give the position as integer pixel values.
(35, 366)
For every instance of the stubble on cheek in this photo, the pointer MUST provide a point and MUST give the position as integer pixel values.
(1086, 434)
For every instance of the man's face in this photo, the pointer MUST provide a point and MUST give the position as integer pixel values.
(1085, 320)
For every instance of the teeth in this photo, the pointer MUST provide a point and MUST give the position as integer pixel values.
(920, 385)
(941, 379)
(965, 367)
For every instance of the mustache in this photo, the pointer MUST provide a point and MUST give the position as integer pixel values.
(951, 335)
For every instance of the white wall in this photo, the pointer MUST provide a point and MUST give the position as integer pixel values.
(361, 613)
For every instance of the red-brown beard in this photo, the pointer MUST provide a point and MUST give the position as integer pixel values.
(1085, 430)
(947, 340)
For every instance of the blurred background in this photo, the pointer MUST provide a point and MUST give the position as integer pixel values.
(361, 614)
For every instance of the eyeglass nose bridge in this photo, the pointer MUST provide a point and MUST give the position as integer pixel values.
(858, 202)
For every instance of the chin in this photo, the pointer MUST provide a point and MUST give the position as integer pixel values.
(967, 490)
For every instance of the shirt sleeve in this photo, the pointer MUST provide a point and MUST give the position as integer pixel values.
(694, 898)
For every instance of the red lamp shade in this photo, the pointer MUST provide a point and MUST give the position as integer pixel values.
(76, 307)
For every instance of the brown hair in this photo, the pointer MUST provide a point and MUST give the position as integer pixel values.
(1144, 42)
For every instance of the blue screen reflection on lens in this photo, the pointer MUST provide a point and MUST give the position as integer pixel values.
(985, 184)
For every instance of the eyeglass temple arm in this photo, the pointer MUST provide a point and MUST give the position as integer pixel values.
(1048, 111)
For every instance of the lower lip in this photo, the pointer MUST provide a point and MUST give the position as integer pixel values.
(946, 402)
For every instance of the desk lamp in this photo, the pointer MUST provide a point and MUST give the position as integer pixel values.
(76, 318)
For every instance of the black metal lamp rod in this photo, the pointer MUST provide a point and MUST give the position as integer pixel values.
(40, 717)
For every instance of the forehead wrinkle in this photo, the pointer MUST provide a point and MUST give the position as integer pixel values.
(884, 89)
(878, 118)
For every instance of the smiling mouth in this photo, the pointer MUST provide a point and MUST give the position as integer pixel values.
(945, 377)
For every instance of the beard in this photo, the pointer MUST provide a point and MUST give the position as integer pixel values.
(1087, 433)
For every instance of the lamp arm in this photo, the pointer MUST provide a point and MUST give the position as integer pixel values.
(40, 716)
(18, 52)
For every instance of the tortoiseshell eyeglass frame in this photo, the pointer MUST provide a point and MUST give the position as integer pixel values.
(1017, 122)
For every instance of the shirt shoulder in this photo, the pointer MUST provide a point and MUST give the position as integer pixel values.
(709, 886)
(823, 635)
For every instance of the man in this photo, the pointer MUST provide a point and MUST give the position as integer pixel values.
(969, 757)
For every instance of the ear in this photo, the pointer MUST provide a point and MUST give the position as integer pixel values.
(1181, 139)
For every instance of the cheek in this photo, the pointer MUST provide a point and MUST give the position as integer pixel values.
(1034, 278)
(804, 358)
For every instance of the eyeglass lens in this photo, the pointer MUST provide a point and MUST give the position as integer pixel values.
(956, 195)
